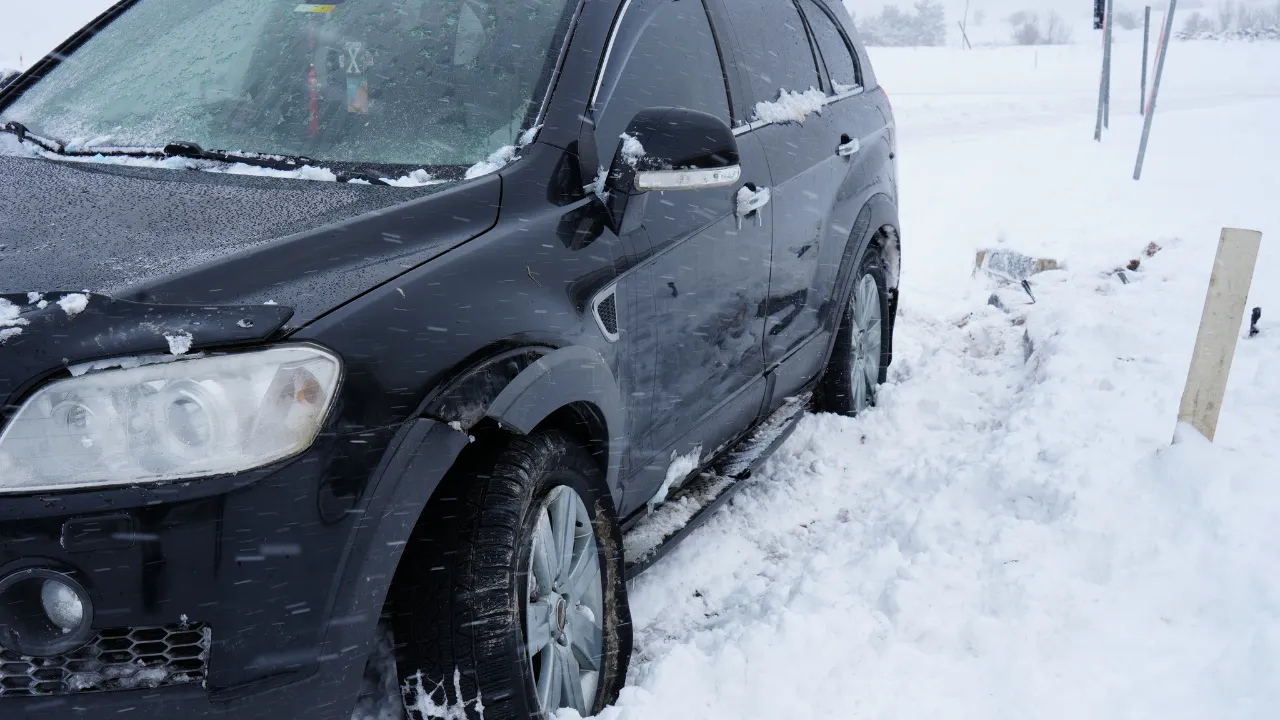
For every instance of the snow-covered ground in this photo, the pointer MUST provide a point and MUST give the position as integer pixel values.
(1010, 538)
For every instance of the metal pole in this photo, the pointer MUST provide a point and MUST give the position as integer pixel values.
(1102, 83)
(1166, 35)
(1106, 64)
(1146, 40)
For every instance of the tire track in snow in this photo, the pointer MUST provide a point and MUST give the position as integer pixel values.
(844, 499)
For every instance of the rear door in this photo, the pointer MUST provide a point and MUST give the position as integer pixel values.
(854, 151)
(703, 328)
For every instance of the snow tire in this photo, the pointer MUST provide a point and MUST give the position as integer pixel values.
(460, 596)
(837, 392)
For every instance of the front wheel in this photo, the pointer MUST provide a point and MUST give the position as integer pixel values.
(859, 362)
(512, 596)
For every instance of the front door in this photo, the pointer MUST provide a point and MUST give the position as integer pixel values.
(709, 271)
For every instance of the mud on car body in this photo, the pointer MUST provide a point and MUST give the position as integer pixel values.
(351, 353)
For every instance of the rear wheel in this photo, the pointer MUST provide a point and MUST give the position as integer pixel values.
(511, 597)
(860, 360)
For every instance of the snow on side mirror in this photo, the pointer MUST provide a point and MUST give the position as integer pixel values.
(8, 75)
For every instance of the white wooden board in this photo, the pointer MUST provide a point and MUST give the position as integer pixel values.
(1219, 329)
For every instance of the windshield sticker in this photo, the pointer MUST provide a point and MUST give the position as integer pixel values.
(311, 8)
(355, 60)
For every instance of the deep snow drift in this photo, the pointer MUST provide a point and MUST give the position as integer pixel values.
(1007, 537)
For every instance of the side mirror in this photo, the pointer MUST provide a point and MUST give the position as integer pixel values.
(674, 149)
(7, 76)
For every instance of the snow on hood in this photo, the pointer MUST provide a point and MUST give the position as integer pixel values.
(10, 323)
(74, 226)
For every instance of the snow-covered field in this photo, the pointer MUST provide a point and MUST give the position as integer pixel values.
(1004, 538)
(1007, 537)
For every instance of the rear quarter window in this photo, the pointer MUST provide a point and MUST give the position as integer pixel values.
(837, 53)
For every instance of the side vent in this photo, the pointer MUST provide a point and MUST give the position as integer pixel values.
(605, 307)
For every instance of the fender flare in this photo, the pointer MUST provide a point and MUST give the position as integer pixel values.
(569, 375)
(415, 463)
(413, 466)
(877, 213)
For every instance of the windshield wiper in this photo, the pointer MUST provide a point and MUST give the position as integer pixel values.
(185, 149)
(25, 135)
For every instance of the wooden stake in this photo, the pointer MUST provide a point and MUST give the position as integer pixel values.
(1219, 329)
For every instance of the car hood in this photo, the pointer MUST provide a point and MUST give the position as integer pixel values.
(190, 237)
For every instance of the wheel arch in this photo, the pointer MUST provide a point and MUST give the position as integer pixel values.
(504, 391)
(517, 389)
(876, 226)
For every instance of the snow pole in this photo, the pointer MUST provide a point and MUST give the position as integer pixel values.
(1102, 93)
(1102, 20)
(1106, 64)
(1146, 40)
(1161, 51)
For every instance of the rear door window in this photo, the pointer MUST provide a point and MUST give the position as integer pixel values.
(775, 53)
(836, 52)
(673, 63)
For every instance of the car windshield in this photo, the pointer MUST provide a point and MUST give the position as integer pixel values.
(402, 82)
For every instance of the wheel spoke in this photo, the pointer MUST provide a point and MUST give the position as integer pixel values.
(538, 621)
(551, 681)
(859, 382)
(871, 295)
(563, 523)
(572, 676)
(586, 635)
(545, 561)
(584, 571)
(871, 352)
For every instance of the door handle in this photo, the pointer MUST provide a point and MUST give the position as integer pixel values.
(750, 200)
(848, 146)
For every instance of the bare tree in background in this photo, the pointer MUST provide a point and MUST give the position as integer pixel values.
(1226, 15)
(1029, 29)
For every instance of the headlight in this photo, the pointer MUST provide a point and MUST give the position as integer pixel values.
(169, 421)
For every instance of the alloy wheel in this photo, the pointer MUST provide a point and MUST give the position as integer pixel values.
(867, 334)
(564, 605)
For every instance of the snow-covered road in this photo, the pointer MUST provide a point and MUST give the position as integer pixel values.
(1008, 537)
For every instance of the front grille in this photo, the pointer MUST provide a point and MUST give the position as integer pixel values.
(116, 659)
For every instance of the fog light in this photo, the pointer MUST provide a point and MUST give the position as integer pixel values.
(62, 605)
(43, 613)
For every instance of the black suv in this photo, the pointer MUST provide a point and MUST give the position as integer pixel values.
(354, 355)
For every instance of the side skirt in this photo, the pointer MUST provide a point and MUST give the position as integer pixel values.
(653, 535)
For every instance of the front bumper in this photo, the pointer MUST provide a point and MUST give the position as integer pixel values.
(315, 698)
(286, 567)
